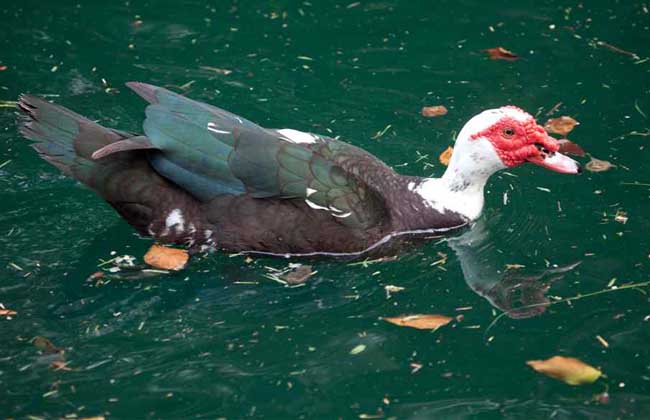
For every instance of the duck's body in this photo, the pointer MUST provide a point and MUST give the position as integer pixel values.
(211, 179)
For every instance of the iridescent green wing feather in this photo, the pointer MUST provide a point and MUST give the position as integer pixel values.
(209, 152)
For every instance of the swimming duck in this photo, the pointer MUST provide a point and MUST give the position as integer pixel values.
(207, 178)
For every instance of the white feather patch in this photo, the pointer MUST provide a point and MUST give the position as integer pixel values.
(295, 136)
(310, 191)
(175, 219)
(316, 206)
(213, 127)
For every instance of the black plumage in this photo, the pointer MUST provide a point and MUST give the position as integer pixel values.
(210, 179)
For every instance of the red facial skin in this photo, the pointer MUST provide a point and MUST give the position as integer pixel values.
(518, 141)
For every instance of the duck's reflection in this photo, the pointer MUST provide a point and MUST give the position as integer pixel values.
(519, 292)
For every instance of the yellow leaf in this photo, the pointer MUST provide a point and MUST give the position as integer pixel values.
(568, 369)
(421, 322)
(166, 258)
(445, 156)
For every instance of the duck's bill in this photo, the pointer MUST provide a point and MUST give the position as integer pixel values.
(557, 162)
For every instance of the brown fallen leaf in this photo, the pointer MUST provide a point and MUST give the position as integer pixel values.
(7, 312)
(560, 125)
(597, 165)
(434, 111)
(500, 53)
(567, 369)
(514, 266)
(445, 156)
(166, 258)
(421, 322)
(570, 148)
(45, 345)
(299, 275)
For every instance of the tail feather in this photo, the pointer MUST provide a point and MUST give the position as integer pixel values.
(68, 140)
(62, 137)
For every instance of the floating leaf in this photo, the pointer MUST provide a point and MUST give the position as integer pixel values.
(299, 275)
(570, 148)
(445, 156)
(358, 349)
(434, 111)
(93, 418)
(568, 369)
(421, 322)
(3, 68)
(7, 312)
(561, 125)
(500, 53)
(166, 258)
(45, 345)
(597, 165)
(514, 266)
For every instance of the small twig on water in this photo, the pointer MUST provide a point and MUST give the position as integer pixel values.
(617, 49)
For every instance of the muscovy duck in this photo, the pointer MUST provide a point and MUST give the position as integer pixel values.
(207, 178)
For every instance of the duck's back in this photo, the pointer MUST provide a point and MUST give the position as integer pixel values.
(210, 152)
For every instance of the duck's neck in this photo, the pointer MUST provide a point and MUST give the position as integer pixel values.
(461, 187)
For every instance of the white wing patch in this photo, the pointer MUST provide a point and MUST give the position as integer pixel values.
(214, 128)
(295, 136)
(175, 219)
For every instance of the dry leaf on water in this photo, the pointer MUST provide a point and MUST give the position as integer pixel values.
(434, 111)
(93, 418)
(500, 53)
(445, 156)
(421, 322)
(45, 345)
(570, 148)
(568, 369)
(7, 312)
(299, 275)
(560, 125)
(597, 165)
(166, 258)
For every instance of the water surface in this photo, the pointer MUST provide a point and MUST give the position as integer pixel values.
(221, 340)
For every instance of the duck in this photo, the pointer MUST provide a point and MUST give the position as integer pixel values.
(207, 179)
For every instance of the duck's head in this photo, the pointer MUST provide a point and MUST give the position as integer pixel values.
(504, 138)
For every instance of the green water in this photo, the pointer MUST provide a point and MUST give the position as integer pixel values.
(219, 339)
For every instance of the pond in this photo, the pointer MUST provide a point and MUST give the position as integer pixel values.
(222, 340)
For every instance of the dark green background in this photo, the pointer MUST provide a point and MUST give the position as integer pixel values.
(208, 347)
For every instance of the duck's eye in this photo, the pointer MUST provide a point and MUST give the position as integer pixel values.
(508, 132)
